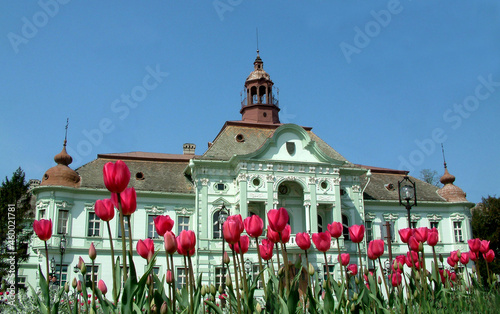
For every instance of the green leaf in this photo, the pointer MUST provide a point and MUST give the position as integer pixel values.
(117, 278)
(129, 289)
(214, 307)
(284, 307)
(329, 302)
(44, 287)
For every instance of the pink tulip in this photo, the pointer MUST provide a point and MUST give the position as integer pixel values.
(128, 201)
(454, 256)
(278, 219)
(169, 242)
(285, 234)
(396, 279)
(273, 235)
(102, 286)
(266, 249)
(254, 226)
(244, 241)
(116, 176)
(413, 243)
(451, 261)
(232, 229)
(163, 224)
(146, 248)
(169, 278)
(433, 238)
(104, 209)
(473, 256)
(421, 234)
(485, 246)
(352, 269)
(376, 247)
(43, 229)
(322, 241)
(357, 233)
(344, 259)
(474, 245)
(405, 234)
(489, 256)
(187, 240)
(92, 251)
(303, 240)
(464, 258)
(335, 229)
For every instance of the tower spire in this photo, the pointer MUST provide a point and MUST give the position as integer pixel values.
(444, 159)
(66, 132)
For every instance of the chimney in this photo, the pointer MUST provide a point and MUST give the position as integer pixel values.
(188, 148)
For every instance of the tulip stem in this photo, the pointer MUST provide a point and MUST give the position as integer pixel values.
(236, 279)
(47, 262)
(360, 262)
(278, 256)
(93, 286)
(261, 267)
(124, 246)
(327, 270)
(173, 282)
(129, 235)
(307, 270)
(383, 277)
(341, 266)
(113, 266)
(287, 270)
(245, 284)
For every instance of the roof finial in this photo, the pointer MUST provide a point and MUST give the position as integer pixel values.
(257, 32)
(444, 160)
(66, 132)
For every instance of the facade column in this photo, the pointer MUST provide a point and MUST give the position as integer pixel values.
(337, 205)
(203, 203)
(270, 196)
(242, 180)
(312, 208)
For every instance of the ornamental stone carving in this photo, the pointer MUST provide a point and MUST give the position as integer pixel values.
(415, 217)
(370, 216)
(335, 171)
(154, 209)
(312, 169)
(257, 195)
(312, 180)
(204, 181)
(434, 217)
(270, 178)
(391, 217)
(63, 205)
(184, 211)
(242, 177)
(356, 188)
(42, 205)
(455, 217)
(326, 198)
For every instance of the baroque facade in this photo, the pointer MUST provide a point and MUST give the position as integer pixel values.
(253, 165)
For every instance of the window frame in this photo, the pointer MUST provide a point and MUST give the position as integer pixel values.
(181, 224)
(64, 224)
(151, 229)
(458, 232)
(95, 222)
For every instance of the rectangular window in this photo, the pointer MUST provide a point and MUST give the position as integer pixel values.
(219, 277)
(384, 231)
(41, 214)
(256, 272)
(88, 276)
(435, 224)
(94, 225)
(325, 273)
(151, 227)
(125, 224)
(182, 223)
(369, 230)
(21, 282)
(413, 224)
(63, 274)
(457, 229)
(62, 221)
(181, 277)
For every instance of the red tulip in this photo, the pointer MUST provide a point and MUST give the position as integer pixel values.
(396, 279)
(169, 278)
(303, 240)
(400, 261)
(128, 201)
(344, 259)
(273, 235)
(104, 209)
(116, 176)
(451, 262)
(464, 258)
(232, 229)
(102, 286)
(79, 286)
(485, 246)
(187, 241)
(244, 241)
(376, 247)
(411, 258)
(356, 233)
(43, 229)
(489, 256)
(353, 269)
(405, 234)
(146, 248)
(421, 234)
(454, 256)
(163, 224)
(322, 241)
(92, 251)
(473, 256)
(335, 229)
(413, 243)
(278, 219)
(433, 238)
(474, 245)
(254, 226)
(266, 249)
(169, 242)
(285, 234)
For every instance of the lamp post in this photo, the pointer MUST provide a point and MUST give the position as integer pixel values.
(62, 249)
(53, 269)
(223, 214)
(407, 195)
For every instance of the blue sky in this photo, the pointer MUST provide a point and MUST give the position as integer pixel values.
(383, 82)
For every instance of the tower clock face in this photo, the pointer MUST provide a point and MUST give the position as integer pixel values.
(283, 189)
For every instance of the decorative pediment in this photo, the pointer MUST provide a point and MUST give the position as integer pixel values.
(434, 217)
(370, 216)
(391, 217)
(155, 209)
(457, 217)
(184, 211)
(415, 217)
(89, 206)
(42, 205)
(64, 205)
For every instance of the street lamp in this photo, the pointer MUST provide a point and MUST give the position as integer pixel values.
(53, 269)
(223, 213)
(407, 195)
(62, 249)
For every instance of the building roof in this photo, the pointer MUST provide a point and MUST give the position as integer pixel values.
(61, 174)
(149, 172)
(240, 138)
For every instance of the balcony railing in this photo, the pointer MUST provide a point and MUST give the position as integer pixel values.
(275, 101)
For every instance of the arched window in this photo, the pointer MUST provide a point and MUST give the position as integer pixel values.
(320, 223)
(217, 234)
(345, 225)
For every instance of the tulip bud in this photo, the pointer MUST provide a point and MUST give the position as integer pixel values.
(153, 306)
(226, 258)
(73, 283)
(203, 291)
(169, 277)
(379, 280)
(474, 268)
(353, 307)
(229, 283)
(66, 287)
(149, 280)
(83, 270)
(79, 286)
(213, 291)
(354, 296)
(415, 294)
(459, 253)
(420, 247)
(365, 270)
(221, 291)
(311, 269)
(356, 279)
(164, 308)
(417, 276)
(280, 271)
(92, 251)
(441, 258)
(258, 307)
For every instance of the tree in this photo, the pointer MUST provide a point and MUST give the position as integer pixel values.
(486, 226)
(430, 176)
(15, 224)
